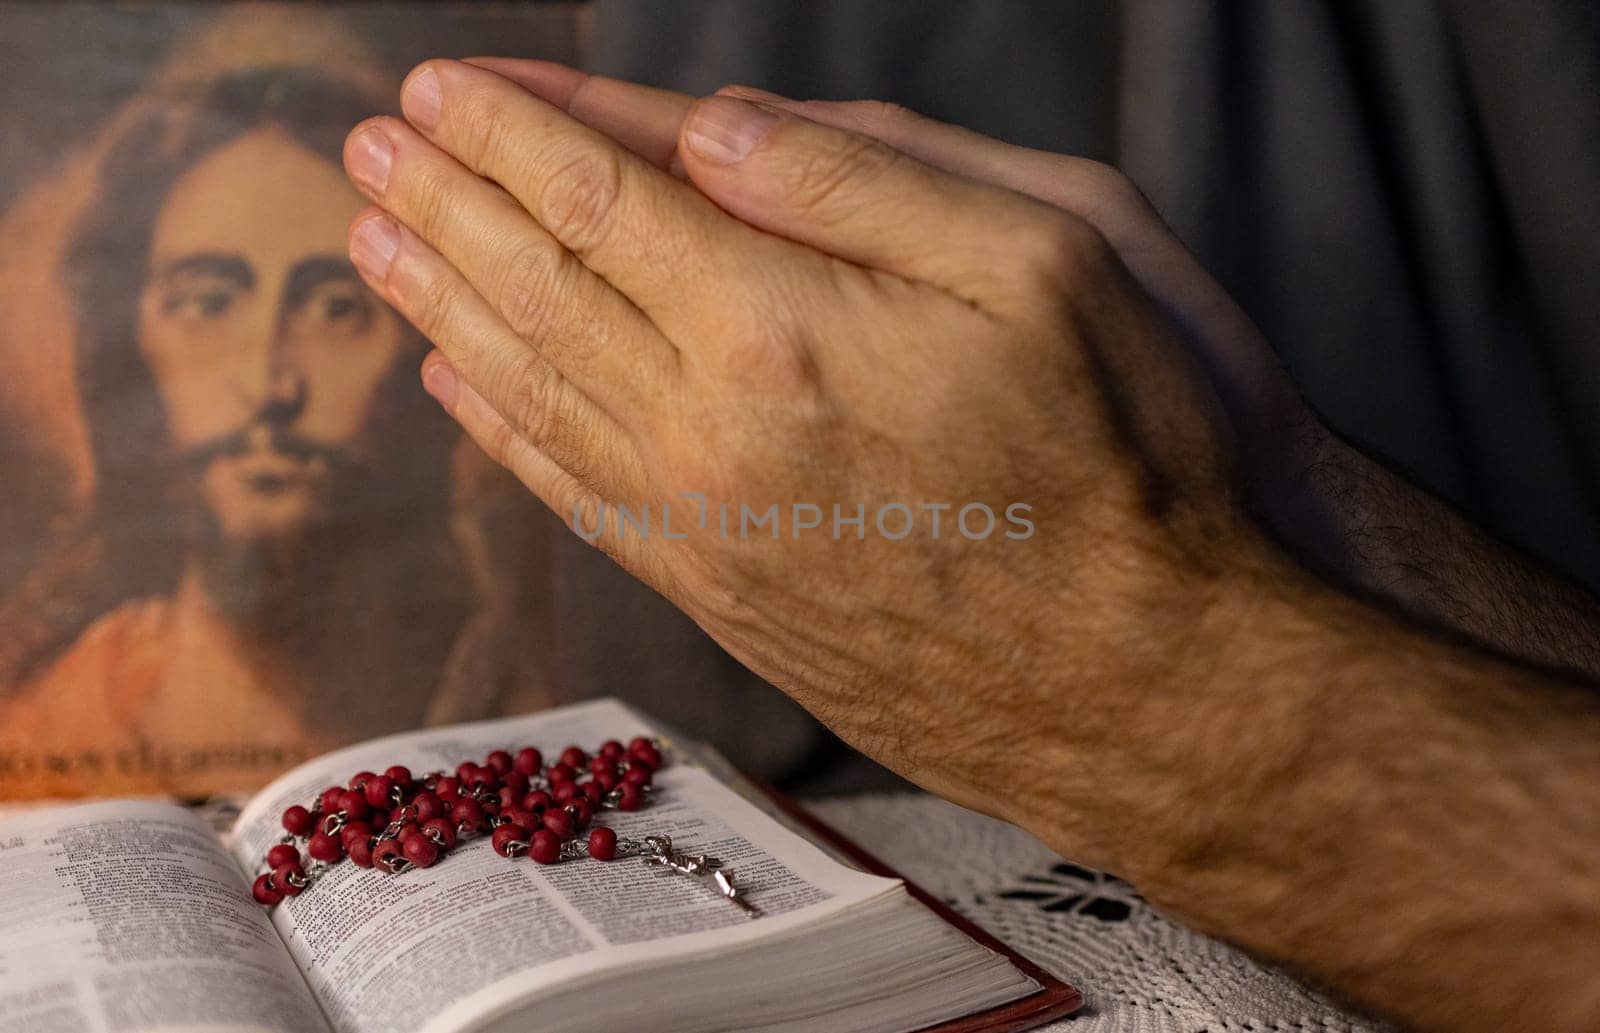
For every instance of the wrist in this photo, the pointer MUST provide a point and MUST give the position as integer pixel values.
(1190, 728)
(1246, 718)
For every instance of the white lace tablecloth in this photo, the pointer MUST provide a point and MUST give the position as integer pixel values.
(1139, 971)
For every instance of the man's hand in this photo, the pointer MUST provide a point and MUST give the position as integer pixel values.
(1338, 510)
(816, 319)
(1009, 463)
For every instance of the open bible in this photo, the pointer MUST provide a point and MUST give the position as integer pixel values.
(128, 915)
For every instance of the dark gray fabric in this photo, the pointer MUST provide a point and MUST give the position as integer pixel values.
(1401, 193)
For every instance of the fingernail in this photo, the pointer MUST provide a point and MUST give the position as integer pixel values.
(440, 381)
(371, 155)
(724, 130)
(421, 100)
(373, 244)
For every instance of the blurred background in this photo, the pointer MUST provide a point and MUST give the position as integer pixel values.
(227, 541)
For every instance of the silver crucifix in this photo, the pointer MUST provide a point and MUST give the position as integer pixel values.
(658, 852)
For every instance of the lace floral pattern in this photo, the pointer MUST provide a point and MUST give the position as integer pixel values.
(1139, 971)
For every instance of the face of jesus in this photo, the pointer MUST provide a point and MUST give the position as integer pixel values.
(268, 353)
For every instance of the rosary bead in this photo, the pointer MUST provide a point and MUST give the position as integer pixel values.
(421, 851)
(495, 798)
(428, 806)
(602, 844)
(388, 855)
(380, 791)
(466, 815)
(439, 830)
(353, 831)
(354, 805)
(630, 797)
(528, 761)
(297, 821)
(360, 851)
(646, 754)
(285, 878)
(505, 836)
(324, 847)
(559, 823)
(264, 891)
(524, 817)
(544, 847)
(282, 854)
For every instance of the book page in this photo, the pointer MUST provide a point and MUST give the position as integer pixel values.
(500, 930)
(131, 916)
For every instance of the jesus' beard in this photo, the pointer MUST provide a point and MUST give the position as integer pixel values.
(356, 605)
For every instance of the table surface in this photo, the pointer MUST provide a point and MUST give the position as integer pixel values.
(1139, 971)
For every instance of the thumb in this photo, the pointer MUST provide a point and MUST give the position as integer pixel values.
(854, 197)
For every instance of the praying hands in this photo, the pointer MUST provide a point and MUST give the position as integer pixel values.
(957, 445)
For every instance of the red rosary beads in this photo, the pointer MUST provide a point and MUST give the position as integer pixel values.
(526, 807)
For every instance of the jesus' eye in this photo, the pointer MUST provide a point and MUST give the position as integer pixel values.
(198, 303)
(334, 310)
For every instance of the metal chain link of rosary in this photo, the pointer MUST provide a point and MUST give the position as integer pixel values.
(527, 808)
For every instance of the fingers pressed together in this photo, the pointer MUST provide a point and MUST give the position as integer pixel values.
(527, 223)
(1241, 363)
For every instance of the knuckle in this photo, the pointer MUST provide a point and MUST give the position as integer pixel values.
(1109, 186)
(578, 198)
(1063, 252)
(824, 178)
(537, 412)
(527, 287)
(485, 125)
(434, 305)
(776, 361)
(882, 114)
(428, 199)
(499, 441)
(530, 406)
(542, 307)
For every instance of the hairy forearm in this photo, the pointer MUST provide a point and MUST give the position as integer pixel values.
(1414, 822)
(1355, 519)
